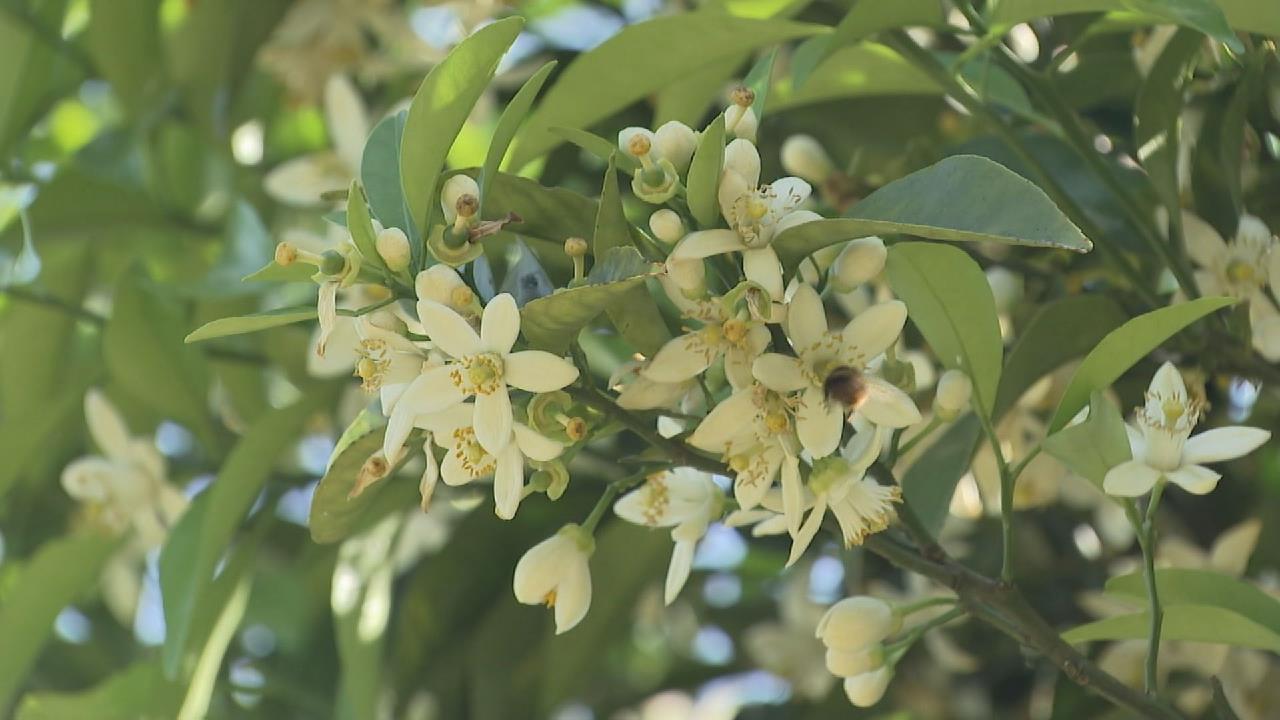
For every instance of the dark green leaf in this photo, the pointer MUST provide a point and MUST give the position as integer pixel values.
(335, 515)
(927, 486)
(360, 225)
(1195, 623)
(512, 117)
(380, 174)
(597, 146)
(139, 692)
(862, 21)
(123, 38)
(553, 322)
(1156, 114)
(1205, 16)
(759, 79)
(1123, 347)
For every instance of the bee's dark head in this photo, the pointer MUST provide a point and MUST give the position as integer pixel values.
(845, 385)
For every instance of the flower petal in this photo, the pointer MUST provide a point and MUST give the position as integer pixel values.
(801, 540)
(430, 476)
(742, 157)
(538, 371)
(106, 426)
(303, 180)
(678, 570)
(1224, 443)
(327, 313)
(534, 445)
(795, 218)
(762, 267)
(819, 424)
(725, 422)
(573, 597)
(788, 194)
(501, 324)
(345, 118)
(1195, 479)
(780, 373)
(493, 420)
(680, 359)
(706, 243)
(888, 405)
(1130, 479)
(508, 482)
(873, 330)
(448, 330)
(806, 318)
(792, 494)
(1204, 244)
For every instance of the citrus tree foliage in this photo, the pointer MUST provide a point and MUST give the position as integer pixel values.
(639, 360)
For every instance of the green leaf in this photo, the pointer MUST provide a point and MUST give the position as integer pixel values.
(1094, 446)
(365, 571)
(143, 351)
(380, 174)
(360, 225)
(140, 691)
(927, 486)
(1060, 331)
(862, 21)
(439, 110)
(36, 69)
(1123, 347)
(1179, 586)
(636, 315)
(964, 197)
(597, 146)
(123, 38)
(949, 300)
(276, 273)
(246, 245)
(335, 515)
(759, 79)
(547, 217)
(1216, 176)
(862, 70)
(59, 572)
(218, 614)
(509, 122)
(637, 62)
(552, 323)
(199, 539)
(687, 100)
(223, 327)
(1157, 111)
(1194, 623)
(704, 175)
(1214, 19)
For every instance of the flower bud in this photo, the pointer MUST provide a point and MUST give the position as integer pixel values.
(667, 226)
(393, 248)
(859, 261)
(847, 663)
(804, 157)
(453, 194)
(1006, 288)
(286, 254)
(954, 390)
(866, 689)
(636, 141)
(676, 142)
(857, 622)
(746, 125)
(555, 572)
(575, 247)
(742, 96)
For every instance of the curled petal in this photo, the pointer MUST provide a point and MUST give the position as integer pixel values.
(678, 570)
(430, 476)
(706, 243)
(802, 539)
(761, 266)
(327, 312)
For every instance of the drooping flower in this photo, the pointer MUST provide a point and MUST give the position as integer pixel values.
(755, 213)
(466, 460)
(481, 365)
(683, 499)
(1243, 268)
(832, 370)
(1163, 448)
(303, 180)
(555, 572)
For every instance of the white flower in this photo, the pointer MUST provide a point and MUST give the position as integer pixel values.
(847, 663)
(482, 365)
(675, 141)
(441, 283)
(866, 689)
(735, 335)
(667, 226)
(1163, 448)
(555, 572)
(856, 623)
(303, 180)
(803, 156)
(466, 460)
(861, 505)
(832, 370)
(684, 499)
(1242, 268)
(125, 486)
(752, 430)
(859, 261)
(393, 247)
(954, 391)
(755, 214)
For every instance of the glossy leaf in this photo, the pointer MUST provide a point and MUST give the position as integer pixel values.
(553, 322)
(760, 79)
(508, 123)
(641, 59)
(59, 572)
(948, 299)
(1194, 623)
(223, 327)
(1094, 446)
(597, 146)
(930, 482)
(704, 175)
(1123, 347)
(380, 175)
(360, 225)
(862, 70)
(123, 38)
(1157, 111)
(441, 107)
(964, 197)
(335, 515)
(1184, 586)
(862, 21)
(1059, 332)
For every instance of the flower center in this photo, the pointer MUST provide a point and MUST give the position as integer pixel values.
(776, 422)
(480, 374)
(470, 455)
(550, 599)
(373, 364)
(735, 331)
(657, 498)
(754, 216)
(1241, 272)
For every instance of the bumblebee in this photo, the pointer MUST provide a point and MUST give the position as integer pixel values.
(846, 386)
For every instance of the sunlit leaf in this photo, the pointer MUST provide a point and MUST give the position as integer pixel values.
(704, 175)
(512, 117)
(1185, 586)
(222, 327)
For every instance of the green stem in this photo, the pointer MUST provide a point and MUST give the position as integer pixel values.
(1147, 543)
(901, 646)
(1007, 484)
(917, 606)
(611, 491)
(934, 424)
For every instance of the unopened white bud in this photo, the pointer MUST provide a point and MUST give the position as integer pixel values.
(859, 261)
(866, 689)
(803, 156)
(1006, 288)
(676, 142)
(742, 122)
(847, 663)
(954, 391)
(857, 622)
(555, 573)
(667, 226)
(456, 188)
(393, 248)
(636, 141)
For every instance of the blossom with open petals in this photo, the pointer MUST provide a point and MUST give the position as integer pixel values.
(466, 460)
(684, 499)
(555, 572)
(832, 370)
(755, 213)
(1163, 448)
(735, 335)
(303, 180)
(754, 432)
(482, 365)
(861, 505)
(1243, 269)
